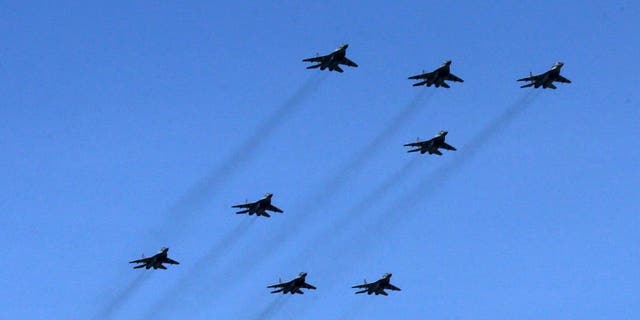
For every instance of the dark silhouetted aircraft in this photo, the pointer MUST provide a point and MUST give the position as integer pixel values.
(259, 207)
(293, 286)
(545, 80)
(377, 287)
(432, 145)
(156, 261)
(437, 77)
(332, 60)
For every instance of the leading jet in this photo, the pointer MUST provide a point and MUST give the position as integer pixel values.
(545, 80)
(377, 287)
(259, 207)
(437, 77)
(155, 261)
(332, 60)
(432, 145)
(293, 286)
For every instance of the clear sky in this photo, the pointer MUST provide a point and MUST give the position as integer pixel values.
(125, 127)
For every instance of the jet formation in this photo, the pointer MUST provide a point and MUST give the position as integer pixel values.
(155, 261)
(294, 286)
(333, 60)
(546, 79)
(259, 207)
(437, 77)
(432, 145)
(378, 286)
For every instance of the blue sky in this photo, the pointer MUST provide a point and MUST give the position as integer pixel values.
(128, 127)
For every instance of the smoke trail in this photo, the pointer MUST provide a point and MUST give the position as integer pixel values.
(204, 189)
(427, 186)
(314, 204)
(469, 151)
(356, 211)
(340, 178)
(271, 308)
(206, 262)
(118, 301)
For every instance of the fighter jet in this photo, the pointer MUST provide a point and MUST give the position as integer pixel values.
(437, 77)
(332, 60)
(156, 261)
(259, 207)
(377, 287)
(432, 145)
(293, 286)
(545, 80)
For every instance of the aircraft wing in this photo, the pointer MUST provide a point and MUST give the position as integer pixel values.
(426, 75)
(349, 63)
(143, 260)
(337, 68)
(447, 146)
(160, 266)
(274, 208)
(436, 151)
(551, 85)
(415, 144)
(452, 77)
(531, 78)
(307, 286)
(170, 261)
(246, 205)
(392, 287)
(315, 59)
(562, 79)
(280, 285)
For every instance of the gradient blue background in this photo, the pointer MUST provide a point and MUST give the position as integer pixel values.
(127, 127)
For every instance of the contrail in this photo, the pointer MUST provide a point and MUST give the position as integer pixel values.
(469, 151)
(184, 209)
(357, 161)
(333, 231)
(271, 308)
(337, 182)
(205, 263)
(429, 184)
(118, 301)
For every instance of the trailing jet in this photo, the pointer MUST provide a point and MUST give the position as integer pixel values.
(432, 145)
(259, 207)
(332, 60)
(545, 80)
(155, 261)
(437, 77)
(377, 287)
(293, 286)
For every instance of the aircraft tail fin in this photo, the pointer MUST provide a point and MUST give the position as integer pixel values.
(242, 212)
(139, 266)
(314, 66)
